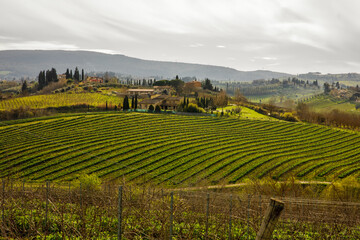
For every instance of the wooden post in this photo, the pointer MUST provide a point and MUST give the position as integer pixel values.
(171, 214)
(270, 219)
(47, 205)
(207, 216)
(230, 212)
(120, 213)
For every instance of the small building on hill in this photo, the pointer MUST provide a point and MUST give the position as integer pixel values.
(164, 101)
(95, 79)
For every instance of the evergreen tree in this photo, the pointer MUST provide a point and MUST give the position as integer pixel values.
(157, 109)
(136, 102)
(126, 103)
(151, 108)
(132, 102)
(67, 74)
(76, 74)
(54, 77)
(71, 75)
(327, 88)
(207, 84)
(82, 75)
(24, 87)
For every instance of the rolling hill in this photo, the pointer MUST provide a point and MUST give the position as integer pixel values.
(173, 150)
(20, 63)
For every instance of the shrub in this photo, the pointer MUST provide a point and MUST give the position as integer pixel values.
(151, 108)
(237, 110)
(90, 182)
(157, 109)
(288, 116)
(193, 108)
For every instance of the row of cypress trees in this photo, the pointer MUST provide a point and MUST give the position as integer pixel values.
(47, 77)
(76, 76)
(134, 103)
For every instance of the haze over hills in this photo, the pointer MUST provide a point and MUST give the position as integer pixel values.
(23, 63)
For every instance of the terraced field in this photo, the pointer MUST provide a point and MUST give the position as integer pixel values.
(173, 150)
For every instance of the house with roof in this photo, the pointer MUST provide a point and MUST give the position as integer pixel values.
(95, 79)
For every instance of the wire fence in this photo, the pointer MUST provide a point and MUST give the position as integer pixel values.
(57, 211)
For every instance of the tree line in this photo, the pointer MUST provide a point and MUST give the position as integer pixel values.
(45, 78)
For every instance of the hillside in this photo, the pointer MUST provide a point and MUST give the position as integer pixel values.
(19, 63)
(173, 150)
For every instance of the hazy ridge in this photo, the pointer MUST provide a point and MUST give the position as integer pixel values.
(22, 63)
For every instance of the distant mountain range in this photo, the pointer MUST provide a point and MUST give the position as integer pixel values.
(28, 63)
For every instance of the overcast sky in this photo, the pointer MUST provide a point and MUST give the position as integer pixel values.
(293, 36)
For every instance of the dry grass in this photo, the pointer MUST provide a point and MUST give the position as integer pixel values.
(74, 211)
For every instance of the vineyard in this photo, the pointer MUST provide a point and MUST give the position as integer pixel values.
(173, 150)
(59, 100)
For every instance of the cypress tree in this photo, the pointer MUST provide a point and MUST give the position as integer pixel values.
(132, 102)
(71, 75)
(82, 74)
(136, 101)
(76, 74)
(67, 74)
(126, 103)
(54, 77)
(24, 87)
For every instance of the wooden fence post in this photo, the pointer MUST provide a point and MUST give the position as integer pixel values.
(120, 213)
(207, 215)
(270, 219)
(171, 214)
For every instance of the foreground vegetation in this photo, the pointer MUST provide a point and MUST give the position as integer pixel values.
(88, 210)
(173, 150)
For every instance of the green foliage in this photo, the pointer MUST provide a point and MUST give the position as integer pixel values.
(157, 109)
(90, 182)
(347, 189)
(193, 108)
(151, 108)
(207, 84)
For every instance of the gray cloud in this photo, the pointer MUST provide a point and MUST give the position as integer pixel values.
(291, 36)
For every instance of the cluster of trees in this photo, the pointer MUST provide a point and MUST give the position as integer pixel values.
(76, 75)
(333, 118)
(205, 102)
(134, 103)
(157, 109)
(328, 87)
(45, 78)
(176, 83)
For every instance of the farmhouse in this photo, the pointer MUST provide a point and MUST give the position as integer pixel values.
(95, 79)
(165, 102)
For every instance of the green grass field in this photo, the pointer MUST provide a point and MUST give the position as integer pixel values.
(324, 103)
(173, 150)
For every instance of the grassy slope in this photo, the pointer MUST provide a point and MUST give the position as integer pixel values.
(169, 149)
(327, 103)
(59, 100)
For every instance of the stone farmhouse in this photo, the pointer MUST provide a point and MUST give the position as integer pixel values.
(164, 101)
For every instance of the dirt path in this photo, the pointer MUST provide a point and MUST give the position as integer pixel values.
(239, 185)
